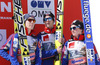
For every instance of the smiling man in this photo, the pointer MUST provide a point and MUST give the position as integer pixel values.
(48, 40)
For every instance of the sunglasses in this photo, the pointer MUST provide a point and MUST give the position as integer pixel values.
(74, 28)
(49, 19)
(31, 20)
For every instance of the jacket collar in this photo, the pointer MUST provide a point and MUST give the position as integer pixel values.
(47, 30)
(31, 33)
(80, 37)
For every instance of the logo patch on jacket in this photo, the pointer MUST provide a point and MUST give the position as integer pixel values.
(46, 38)
(71, 45)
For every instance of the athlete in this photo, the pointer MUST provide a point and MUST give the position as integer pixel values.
(47, 38)
(74, 50)
(12, 44)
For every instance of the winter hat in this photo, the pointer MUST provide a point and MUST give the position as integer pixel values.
(26, 16)
(48, 14)
(78, 23)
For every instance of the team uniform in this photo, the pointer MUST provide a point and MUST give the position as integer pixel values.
(47, 38)
(14, 56)
(73, 52)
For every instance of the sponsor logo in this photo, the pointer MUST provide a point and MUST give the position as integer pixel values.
(88, 30)
(86, 16)
(40, 4)
(58, 35)
(90, 54)
(5, 10)
(71, 45)
(39, 8)
(59, 12)
(27, 61)
(87, 21)
(19, 20)
(88, 36)
(15, 43)
(5, 7)
(46, 38)
(75, 61)
(2, 36)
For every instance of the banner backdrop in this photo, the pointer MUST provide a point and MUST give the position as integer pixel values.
(39, 7)
(2, 36)
(72, 11)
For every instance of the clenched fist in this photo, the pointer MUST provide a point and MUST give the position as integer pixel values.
(59, 49)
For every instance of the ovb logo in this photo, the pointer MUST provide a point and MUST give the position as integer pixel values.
(40, 4)
(39, 7)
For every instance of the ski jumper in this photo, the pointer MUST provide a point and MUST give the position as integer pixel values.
(73, 52)
(48, 46)
(14, 56)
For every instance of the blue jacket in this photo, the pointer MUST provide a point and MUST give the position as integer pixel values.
(73, 52)
(47, 45)
(12, 45)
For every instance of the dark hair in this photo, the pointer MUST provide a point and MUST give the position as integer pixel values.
(48, 14)
(78, 23)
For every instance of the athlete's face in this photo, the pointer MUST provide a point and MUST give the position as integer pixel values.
(49, 22)
(75, 30)
(30, 23)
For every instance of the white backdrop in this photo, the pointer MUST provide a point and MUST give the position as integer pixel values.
(95, 19)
